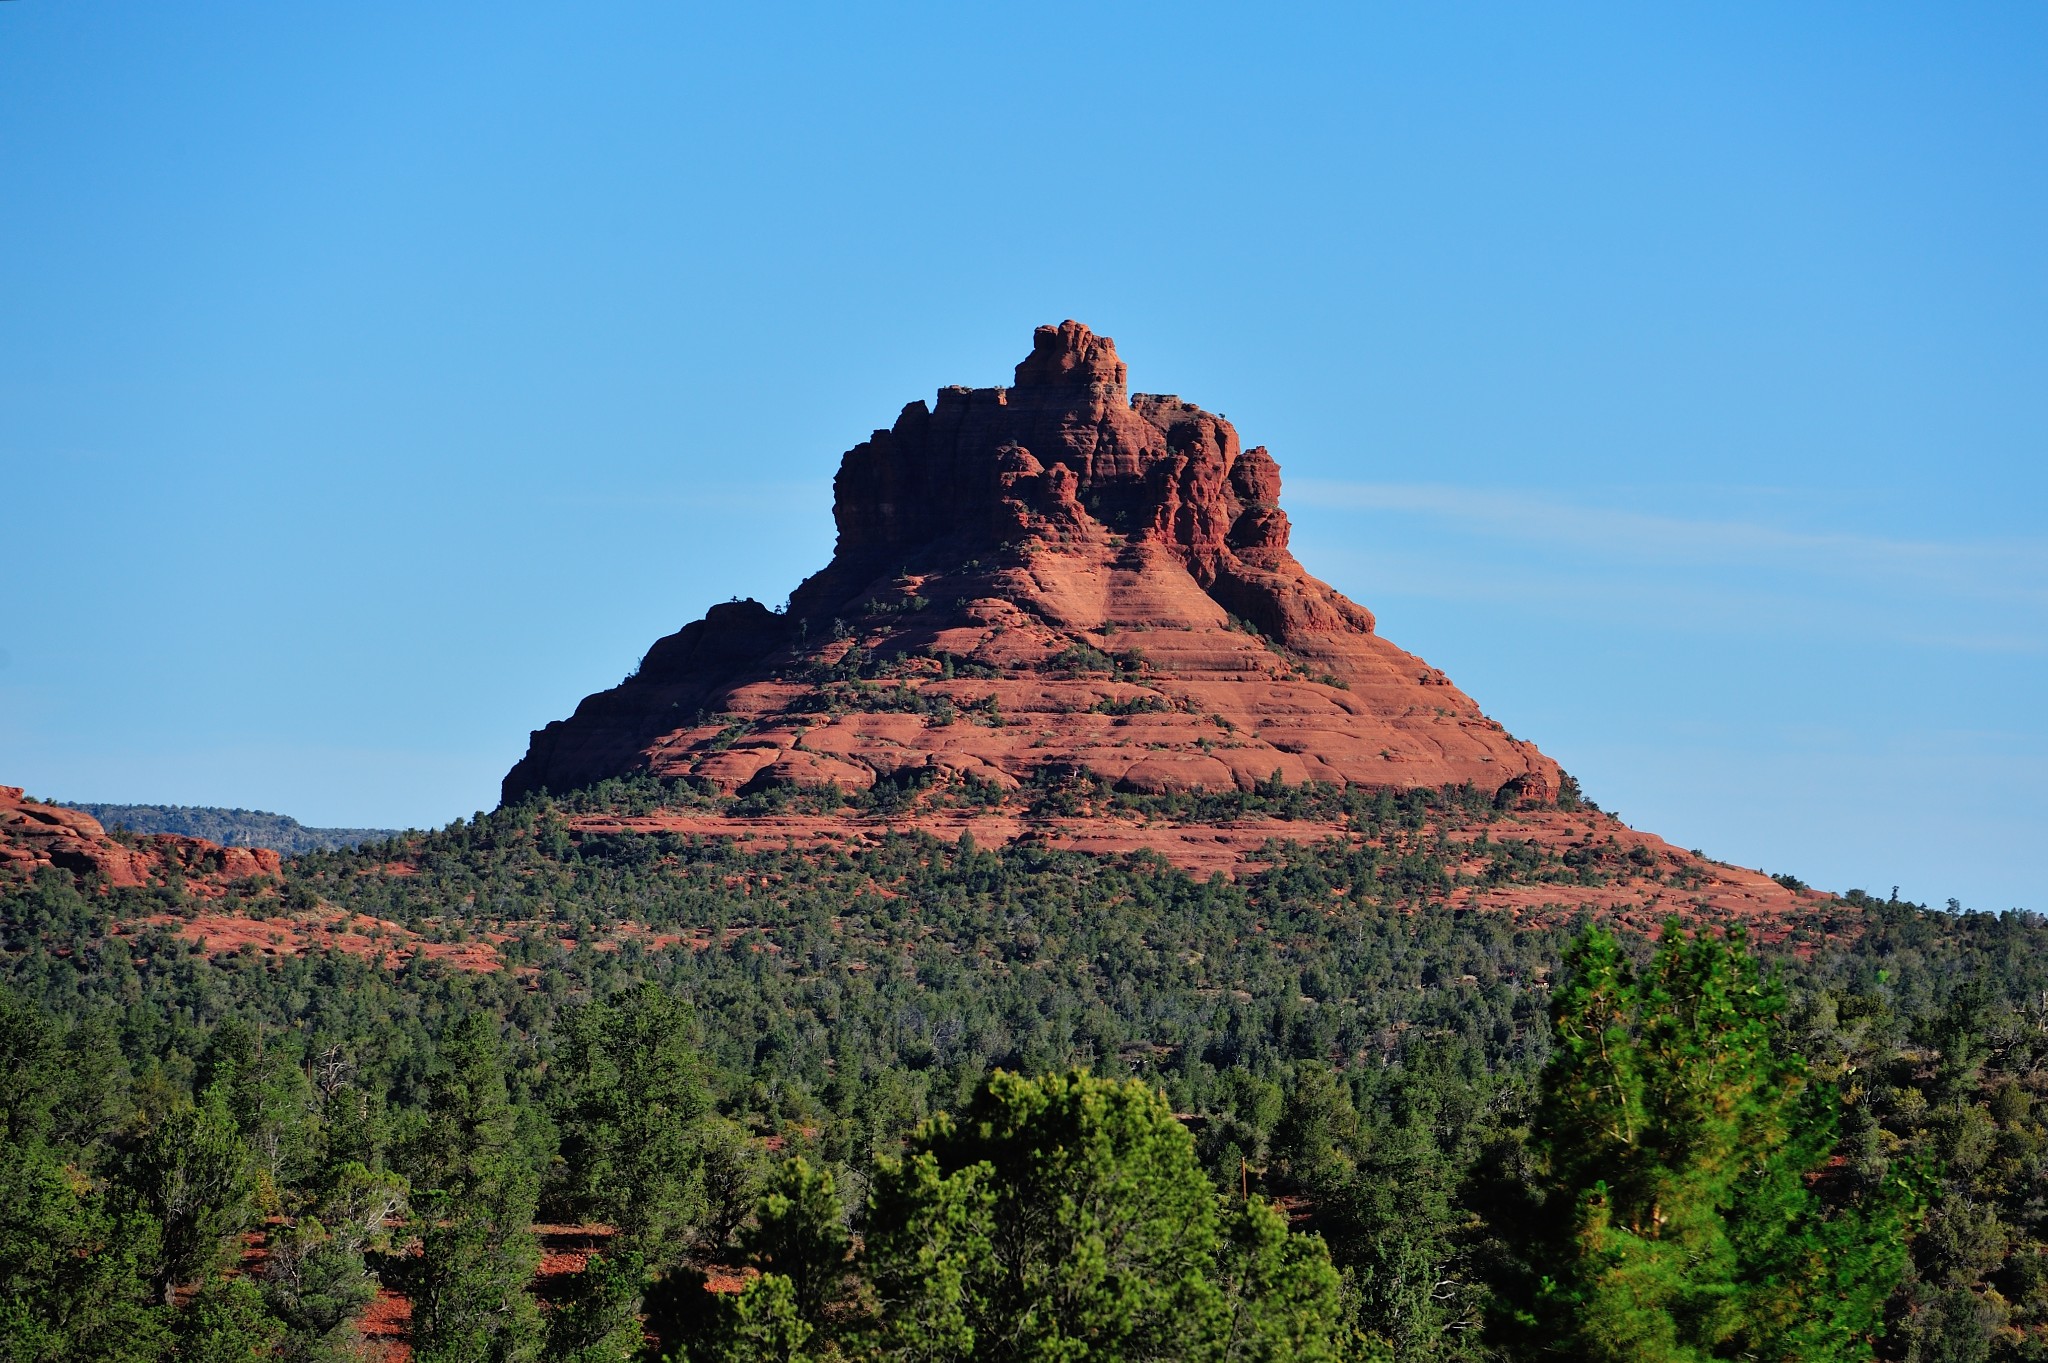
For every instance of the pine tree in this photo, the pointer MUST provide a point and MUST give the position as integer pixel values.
(227, 1322)
(477, 1247)
(799, 1234)
(192, 1173)
(316, 1277)
(760, 1324)
(1066, 1217)
(72, 1258)
(631, 1110)
(72, 1268)
(597, 1323)
(1681, 1147)
(1279, 1291)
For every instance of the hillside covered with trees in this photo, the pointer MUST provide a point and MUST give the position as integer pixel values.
(925, 1100)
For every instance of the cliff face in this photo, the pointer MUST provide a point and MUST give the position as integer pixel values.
(1052, 575)
(35, 835)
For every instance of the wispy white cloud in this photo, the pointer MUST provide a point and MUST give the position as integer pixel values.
(2011, 571)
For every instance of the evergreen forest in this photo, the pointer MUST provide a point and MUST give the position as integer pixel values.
(923, 1100)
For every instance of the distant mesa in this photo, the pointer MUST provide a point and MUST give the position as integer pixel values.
(1057, 576)
(230, 827)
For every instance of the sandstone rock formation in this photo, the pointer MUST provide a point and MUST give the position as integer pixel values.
(35, 835)
(1051, 577)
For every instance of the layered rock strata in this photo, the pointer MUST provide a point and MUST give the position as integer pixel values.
(1056, 576)
(34, 835)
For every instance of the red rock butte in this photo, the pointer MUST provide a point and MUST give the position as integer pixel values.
(1059, 577)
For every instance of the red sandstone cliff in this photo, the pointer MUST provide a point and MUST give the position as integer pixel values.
(35, 835)
(1054, 574)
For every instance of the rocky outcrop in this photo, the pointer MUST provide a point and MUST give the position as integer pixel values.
(1054, 576)
(34, 835)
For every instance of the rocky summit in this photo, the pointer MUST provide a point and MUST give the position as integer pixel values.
(1057, 577)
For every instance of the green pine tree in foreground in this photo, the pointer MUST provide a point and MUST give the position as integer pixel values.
(1061, 1218)
(1684, 1206)
(1067, 1218)
(478, 1251)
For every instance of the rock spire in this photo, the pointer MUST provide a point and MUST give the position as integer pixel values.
(1056, 575)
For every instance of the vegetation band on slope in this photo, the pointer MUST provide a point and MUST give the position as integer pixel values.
(1330, 1036)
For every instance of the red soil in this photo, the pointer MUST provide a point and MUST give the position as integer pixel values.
(225, 932)
(384, 1326)
(1713, 890)
(564, 1250)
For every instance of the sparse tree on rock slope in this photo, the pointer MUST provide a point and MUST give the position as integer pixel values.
(1683, 1211)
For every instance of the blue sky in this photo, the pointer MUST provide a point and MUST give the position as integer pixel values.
(376, 380)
